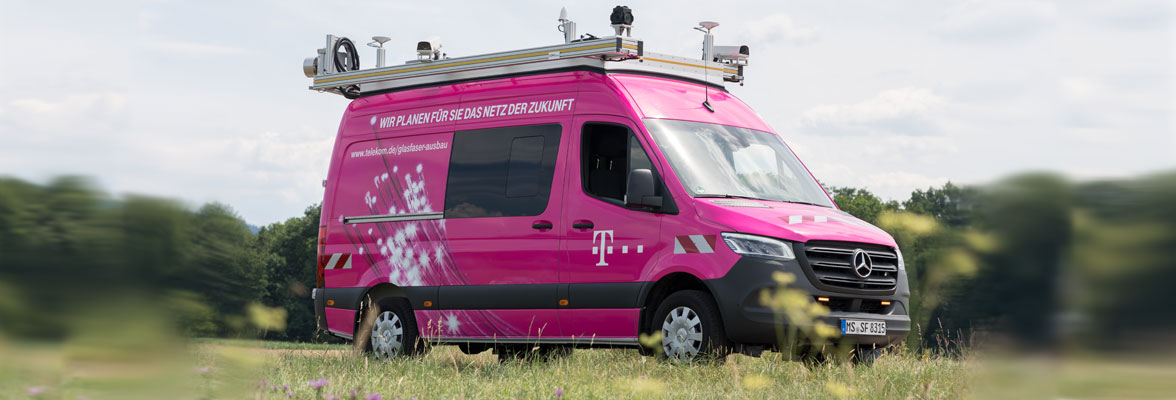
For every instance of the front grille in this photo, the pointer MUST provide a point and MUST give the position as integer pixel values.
(846, 304)
(830, 265)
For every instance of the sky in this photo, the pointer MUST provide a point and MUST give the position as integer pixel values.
(205, 100)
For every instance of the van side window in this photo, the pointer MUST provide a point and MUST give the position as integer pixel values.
(501, 172)
(609, 153)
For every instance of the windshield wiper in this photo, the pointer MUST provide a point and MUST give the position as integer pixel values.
(725, 196)
(735, 196)
(803, 202)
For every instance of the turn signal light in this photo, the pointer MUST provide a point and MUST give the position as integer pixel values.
(330, 302)
(885, 302)
(822, 298)
(428, 303)
(563, 302)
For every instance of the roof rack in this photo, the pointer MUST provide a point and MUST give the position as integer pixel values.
(336, 70)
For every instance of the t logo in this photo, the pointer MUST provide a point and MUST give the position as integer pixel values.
(603, 247)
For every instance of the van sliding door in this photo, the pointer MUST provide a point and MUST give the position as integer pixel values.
(501, 226)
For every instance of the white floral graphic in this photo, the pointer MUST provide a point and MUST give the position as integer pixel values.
(416, 253)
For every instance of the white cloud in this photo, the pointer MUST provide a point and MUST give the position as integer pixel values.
(882, 96)
(906, 111)
(775, 28)
(72, 104)
(890, 185)
(63, 117)
(1134, 14)
(996, 21)
(191, 49)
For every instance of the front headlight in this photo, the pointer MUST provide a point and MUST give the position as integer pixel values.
(901, 263)
(759, 246)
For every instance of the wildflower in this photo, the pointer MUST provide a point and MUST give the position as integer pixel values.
(203, 370)
(644, 377)
(318, 384)
(837, 389)
(35, 391)
(332, 397)
(373, 396)
(558, 392)
(756, 382)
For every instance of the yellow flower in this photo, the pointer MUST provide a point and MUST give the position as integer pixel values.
(837, 389)
(756, 382)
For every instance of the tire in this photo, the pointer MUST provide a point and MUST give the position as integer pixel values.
(691, 327)
(867, 355)
(473, 348)
(551, 352)
(511, 352)
(388, 330)
(540, 353)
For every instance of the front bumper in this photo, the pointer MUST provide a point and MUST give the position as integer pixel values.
(747, 321)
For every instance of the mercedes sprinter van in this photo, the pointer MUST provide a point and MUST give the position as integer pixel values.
(581, 196)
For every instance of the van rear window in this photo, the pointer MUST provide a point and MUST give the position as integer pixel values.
(501, 172)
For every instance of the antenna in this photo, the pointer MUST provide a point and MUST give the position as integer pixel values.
(708, 42)
(378, 43)
(567, 26)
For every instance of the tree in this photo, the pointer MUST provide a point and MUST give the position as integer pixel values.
(952, 205)
(288, 252)
(861, 203)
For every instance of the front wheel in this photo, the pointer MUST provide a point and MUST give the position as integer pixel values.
(690, 327)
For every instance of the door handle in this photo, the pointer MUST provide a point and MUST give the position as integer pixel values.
(583, 225)
(541, 225)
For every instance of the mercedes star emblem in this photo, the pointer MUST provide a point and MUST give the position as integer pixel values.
(862, 264)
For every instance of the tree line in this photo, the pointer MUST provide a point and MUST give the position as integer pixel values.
(1034, 260)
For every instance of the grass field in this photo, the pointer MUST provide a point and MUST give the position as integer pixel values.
(615, 373)
(246, 369)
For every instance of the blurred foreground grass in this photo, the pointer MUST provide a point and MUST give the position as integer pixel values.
(247, 369)
(254, 369)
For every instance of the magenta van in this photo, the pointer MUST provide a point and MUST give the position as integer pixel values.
(577, 195)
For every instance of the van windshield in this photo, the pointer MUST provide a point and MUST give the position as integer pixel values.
(725, 161)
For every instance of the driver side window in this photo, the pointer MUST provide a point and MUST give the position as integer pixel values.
(608, 153)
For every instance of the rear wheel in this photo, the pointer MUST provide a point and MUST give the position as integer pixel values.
(388, 330)
(690, 327)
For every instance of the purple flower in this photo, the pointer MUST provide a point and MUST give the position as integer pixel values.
(352, 394)
(203, 370)
(373, 396)
(643, 376)
(318, 384)
(286, 387)
(558, 392)
(289, 394)
(332, 397)
(35, 391)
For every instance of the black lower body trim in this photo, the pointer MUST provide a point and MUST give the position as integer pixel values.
(496, 297)
(541, 296)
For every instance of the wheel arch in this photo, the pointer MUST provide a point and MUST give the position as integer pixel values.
(381, 293)
(657, 291)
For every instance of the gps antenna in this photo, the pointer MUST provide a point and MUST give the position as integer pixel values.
(708, 42)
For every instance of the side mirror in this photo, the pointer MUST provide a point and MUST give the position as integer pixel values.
(641, 189)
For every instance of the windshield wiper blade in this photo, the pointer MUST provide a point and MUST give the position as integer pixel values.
(725, 196)
(803, 202)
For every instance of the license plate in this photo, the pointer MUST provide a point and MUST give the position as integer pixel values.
(863, 327)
